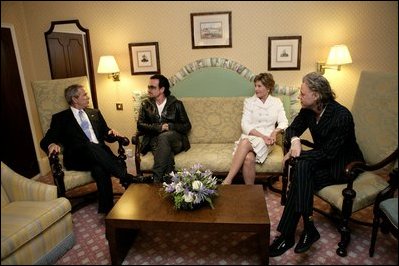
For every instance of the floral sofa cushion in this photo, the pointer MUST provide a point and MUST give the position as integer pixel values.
(216, 125)
(213, 92)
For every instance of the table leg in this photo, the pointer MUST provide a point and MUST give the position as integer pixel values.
(120, 241)
(264, 238)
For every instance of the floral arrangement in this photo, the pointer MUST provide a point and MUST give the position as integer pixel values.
(190, 188)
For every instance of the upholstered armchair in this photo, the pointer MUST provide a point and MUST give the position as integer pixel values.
(36, 226)
(49, 97)
(375, 113)
(386, 211)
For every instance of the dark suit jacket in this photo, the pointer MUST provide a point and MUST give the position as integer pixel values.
(65, 131)
(334, 139)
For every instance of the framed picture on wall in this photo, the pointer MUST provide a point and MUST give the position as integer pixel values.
(144, 58)
(284, 53)
(211, 30)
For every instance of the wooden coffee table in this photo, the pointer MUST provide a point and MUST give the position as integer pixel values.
(238, 208)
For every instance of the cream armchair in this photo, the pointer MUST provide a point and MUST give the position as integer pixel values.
(375, 113)
(36, 226)
(49, 97)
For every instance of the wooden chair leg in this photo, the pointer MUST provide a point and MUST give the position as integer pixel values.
(349, 194)
(376, 223)
(287, 172)
(270, 181)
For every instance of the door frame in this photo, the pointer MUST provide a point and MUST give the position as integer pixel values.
(26, 96)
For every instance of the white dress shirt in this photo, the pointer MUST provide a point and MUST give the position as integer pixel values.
(76, 115)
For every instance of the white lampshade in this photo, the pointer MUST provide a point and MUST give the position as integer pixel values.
(339, 55)
(107, 65)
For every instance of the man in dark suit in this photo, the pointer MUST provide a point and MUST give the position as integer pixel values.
(81, 132)
(333, 132)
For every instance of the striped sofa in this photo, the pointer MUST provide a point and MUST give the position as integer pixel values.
(36, 226)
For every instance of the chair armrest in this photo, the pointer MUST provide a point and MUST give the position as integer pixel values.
(388, 192)
(288, 163)
(287, 144)
(136, 138)
(20, 188)
(307, 143)
(58, 173)
(353, 169)
(122, 141)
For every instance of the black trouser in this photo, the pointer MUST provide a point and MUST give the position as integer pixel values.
(164, 147)
(102, 163)
(306, 178)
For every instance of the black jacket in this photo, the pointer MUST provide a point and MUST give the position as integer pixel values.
(334, 138)
(65, 131)
(173, 114)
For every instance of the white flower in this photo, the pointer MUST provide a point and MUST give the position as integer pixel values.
(197, 199)
(190, 187)
(188, 197)
(197, 185)
(179, 187)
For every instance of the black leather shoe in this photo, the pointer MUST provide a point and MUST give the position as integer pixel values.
(144, 179)
(280, 245)
(127, 180)
(167, 179)
(308, 237)
(131, 179)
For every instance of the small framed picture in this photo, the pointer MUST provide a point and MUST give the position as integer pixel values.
(211, 30)
(144, 58)
(284, 53)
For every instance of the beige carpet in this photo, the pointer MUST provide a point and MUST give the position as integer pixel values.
(213, 248)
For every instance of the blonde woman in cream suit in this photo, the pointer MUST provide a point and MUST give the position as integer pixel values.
(261, 113)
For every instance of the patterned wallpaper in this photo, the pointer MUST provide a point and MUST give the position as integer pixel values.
(368, 28)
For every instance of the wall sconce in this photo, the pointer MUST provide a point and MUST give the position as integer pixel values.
(339, 55)
(108, 65)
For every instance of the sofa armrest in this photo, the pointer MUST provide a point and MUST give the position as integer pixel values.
(136, 140)
(20, 188)
(280, 138)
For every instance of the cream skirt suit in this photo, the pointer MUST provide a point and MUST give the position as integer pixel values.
(262, 117)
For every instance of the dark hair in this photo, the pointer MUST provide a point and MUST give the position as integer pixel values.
(267, 81)
(319, 84)
(71, 92)
(163, 82)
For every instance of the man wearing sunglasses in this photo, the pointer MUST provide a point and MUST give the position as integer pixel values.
(165, 124)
